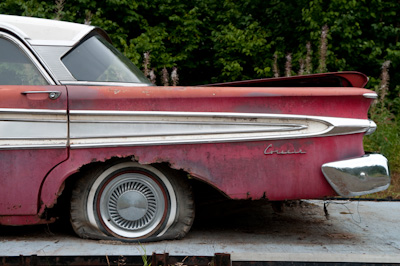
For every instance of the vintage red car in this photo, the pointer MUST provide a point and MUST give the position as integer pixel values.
(78, 118)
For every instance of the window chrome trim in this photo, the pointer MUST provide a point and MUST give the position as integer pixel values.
(104, 83)
(31, 55)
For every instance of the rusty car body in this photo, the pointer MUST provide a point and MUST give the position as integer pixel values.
(77, 117)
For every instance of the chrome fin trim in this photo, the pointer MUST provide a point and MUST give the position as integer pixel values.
(135, 128)
(370, 95)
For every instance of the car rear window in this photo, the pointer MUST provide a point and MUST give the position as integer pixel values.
(97, 60)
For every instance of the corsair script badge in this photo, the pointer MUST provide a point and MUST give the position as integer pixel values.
(271, 150)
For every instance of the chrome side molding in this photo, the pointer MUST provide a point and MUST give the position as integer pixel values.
(359, 176)
(372, 127)
(98, 128)
(33, 128)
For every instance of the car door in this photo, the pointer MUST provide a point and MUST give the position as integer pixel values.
(33, 127)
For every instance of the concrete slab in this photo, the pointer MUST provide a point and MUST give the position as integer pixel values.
(250, 231)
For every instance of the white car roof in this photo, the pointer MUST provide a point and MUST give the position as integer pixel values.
(39, 31)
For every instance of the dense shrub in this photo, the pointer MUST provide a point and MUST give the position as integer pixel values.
(215, 41)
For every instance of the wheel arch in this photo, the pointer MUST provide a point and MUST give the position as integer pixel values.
(60, 181)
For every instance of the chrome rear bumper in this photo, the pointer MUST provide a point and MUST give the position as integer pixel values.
(360, 176)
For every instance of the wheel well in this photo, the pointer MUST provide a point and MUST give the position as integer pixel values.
(203, 192)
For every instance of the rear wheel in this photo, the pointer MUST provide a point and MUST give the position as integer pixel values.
(129, 201)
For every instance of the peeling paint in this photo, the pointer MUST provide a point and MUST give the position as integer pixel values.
(240, 170)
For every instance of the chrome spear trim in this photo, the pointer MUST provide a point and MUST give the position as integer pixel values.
(133, 128)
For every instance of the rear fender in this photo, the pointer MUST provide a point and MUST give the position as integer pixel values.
(275, 170)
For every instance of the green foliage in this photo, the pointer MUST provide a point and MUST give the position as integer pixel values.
(386, 140)
(215, 41)
(363, 34)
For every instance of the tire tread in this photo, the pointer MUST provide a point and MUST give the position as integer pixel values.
(180, 227)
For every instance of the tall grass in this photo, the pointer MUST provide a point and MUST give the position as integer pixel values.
(386, 139)
(165, 79)
(59, 9)
(323, 49)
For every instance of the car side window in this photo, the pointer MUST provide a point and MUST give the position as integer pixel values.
(15, 66)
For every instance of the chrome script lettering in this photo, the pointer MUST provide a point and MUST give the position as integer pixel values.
(270, 150)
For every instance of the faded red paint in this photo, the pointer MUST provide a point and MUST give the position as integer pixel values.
(336, 102)
(12, 97)
(22, 171)
(240, 170)
(22, 174)
(336, 79)
(24, 220)
(356, 79)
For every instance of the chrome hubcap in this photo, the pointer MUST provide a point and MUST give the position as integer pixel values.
(132, 202)
(131, 205)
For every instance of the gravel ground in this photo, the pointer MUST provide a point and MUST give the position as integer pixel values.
(364, 231)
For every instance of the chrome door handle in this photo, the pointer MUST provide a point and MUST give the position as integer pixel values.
(52, 94)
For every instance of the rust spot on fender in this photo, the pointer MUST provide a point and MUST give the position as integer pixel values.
(14, 207)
